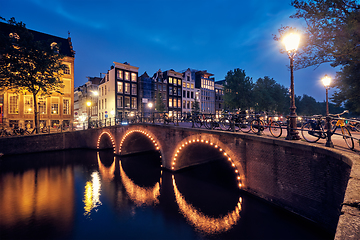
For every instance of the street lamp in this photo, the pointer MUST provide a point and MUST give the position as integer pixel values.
(326, 81)
(88, 103)
(150, 105)
(291, 42)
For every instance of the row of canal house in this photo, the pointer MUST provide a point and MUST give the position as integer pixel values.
(121, 92)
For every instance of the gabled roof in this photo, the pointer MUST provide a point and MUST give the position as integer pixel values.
(65, 45)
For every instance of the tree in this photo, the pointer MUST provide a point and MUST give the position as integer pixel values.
(332, 35)
(29, 66)
(270, 96)
(195, 107)
(238, 90)
(159, 103)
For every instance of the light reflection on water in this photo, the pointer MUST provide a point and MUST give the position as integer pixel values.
(90, 195)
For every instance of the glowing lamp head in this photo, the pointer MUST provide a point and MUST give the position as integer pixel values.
(326, 80)
(88, 104)
(150, 105)
(291, 42)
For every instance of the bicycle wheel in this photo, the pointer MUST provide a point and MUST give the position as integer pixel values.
(224, 124)
(256, 125)
(309, 133)
(347, 137)
(197, 123)
(275, 129)
(244, 126)
(207, 123)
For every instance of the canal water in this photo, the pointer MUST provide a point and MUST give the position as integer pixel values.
(84, 194)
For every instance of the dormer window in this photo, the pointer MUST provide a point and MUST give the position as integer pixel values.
(66, 69)
(54, 47)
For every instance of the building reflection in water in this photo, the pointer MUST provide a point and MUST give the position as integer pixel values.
(147, 196)
(43, 195)
(203, 223)
(92, 194)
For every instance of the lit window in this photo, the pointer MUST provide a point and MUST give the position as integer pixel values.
(66, 106)
(119, 101)
(192, 86)
(184, 84)
(28, 106)
(127, 102)
(170, 80)
(184, 103)
(133, 77)
(133, 103)
(127, 88)
(119, 74)
(54, 46)
(54, 105)
(13, 104)
(120, 87)
(174, 102)
(188, 85)
(42, 105)
(170, 102)
(179, 103)
(133, 89)
(179, 82)
(127, 76)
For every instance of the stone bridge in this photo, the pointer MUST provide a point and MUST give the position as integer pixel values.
(310, 181)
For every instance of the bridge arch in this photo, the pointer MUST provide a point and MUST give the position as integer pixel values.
(147, 134)
(105, 140)
(216, 144)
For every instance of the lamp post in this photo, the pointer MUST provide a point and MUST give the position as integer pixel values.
(291, 42)
(150, 105)
(326, 81)
(88, 103)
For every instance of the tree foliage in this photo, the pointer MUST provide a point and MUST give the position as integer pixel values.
(27, 65)
(238, 90)
(332, 35)
(270, 96)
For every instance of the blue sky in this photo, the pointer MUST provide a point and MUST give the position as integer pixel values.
(213, 35)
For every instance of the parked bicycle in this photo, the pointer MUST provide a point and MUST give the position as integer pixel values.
(313, 130)
(258, 125)
(237, 121)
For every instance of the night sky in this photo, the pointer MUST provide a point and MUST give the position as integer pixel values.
(212, 35)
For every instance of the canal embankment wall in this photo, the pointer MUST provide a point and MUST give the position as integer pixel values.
(308, 180)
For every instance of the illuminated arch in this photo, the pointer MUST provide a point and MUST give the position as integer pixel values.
(140, 195)
(107, 173)
(214, 143)
(203, 223)
(111, 138)
(145, 133)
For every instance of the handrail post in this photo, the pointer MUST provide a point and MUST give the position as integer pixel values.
(328, 143)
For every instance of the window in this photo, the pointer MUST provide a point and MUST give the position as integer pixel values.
(184, 103)
(42, 105)
(54, 105)
(179, 91)
(192, 86)
(105, 102)
(119, 74)
(119, 102)
(184, 93)
(179, 103)
(67, 69)
(187, 94)
(133, 89)
(120, 87)
(170, 90)
(127, 88)
(175, 90)
(99, 104)
(170, 80)
(133, 77)
(105, 90)
(188, 104)
(174, 102)
(133, 103)
(127, 76)
(192, 94)
(66, 106)
(188, 78)
(28, 104)
(179, 82)
(188, 85)
(127, 102)
(67, 85)
(13, 104)
(184, 84)
(170, 102)
(102, 103)
(164, 87)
